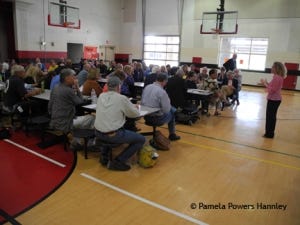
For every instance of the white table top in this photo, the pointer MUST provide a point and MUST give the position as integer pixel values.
(139, 84)
(199, 92)
(144, 110)
(44, 96)
(136, 84)
(102, 80)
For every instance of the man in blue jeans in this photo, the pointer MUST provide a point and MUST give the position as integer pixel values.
(112, 109)
(155, 96)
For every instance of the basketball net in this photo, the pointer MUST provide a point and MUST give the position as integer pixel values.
(216, 32)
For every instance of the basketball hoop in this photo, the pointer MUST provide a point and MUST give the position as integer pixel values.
(220, 22)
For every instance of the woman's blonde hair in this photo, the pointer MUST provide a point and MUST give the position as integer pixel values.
(128, 69)
(279, 69)
(32, 71)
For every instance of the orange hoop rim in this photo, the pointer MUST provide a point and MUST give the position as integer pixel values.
(216, 31)
(68, 24)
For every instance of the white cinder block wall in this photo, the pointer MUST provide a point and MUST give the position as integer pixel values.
(100, 22)
(120, 23)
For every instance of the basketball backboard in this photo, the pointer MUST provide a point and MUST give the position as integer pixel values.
(62, 15)
(220, 22)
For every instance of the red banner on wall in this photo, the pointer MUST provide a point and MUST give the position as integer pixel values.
(90, 52)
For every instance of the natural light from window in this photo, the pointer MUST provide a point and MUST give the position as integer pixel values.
(252, 52)
(161, 50)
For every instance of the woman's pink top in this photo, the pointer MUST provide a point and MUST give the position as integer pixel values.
(274, 88)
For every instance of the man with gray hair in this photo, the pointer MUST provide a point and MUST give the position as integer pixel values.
(82, 75)
(112, 109)
(63, 100)
(16, 93)
(230, 64)
(155, 96)
(151, 78)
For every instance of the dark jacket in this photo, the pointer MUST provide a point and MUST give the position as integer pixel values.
(138, 75)
(150, 79)
(176, 91)
(230, 64)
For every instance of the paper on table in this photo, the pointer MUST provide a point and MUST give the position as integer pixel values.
(202, 90)
(142, 113)
(91, 106)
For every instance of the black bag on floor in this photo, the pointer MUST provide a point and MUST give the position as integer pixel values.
(188, 115)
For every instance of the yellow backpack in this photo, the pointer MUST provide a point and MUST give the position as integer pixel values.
(147, 156)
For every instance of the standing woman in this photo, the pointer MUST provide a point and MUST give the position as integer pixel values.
(273, 97)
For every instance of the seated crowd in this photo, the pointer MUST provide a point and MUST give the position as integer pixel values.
(165, 88)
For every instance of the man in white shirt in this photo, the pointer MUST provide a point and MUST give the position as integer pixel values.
(112, 109)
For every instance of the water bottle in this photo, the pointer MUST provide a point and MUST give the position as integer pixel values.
(93, 96)
(43, 86)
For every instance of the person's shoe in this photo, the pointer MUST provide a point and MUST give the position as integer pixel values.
(238, 102)
(117, 165)
(174, 137)
(103, 160)
(217, 113)
(268, 136)
(105, 156)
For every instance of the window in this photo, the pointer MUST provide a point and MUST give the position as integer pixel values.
(252, 52)
(161, 50)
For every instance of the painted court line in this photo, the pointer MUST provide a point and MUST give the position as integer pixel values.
(144, 200)
(35, 153)
(242, 155)
(240, 144)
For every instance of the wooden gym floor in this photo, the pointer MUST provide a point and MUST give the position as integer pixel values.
(221, 172)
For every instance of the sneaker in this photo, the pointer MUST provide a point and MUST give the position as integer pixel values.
(103, 160)
(104, 157)
(174, 137)
(117, 165)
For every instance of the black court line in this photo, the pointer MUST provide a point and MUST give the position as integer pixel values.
(244, 145)
(231, 142)
(46, 196)
(284, 91)
(234, 117)
(8, 218)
